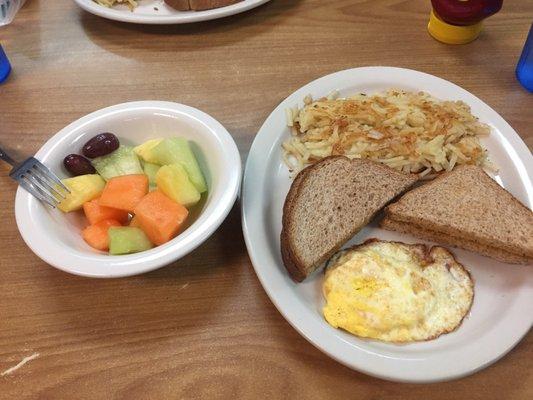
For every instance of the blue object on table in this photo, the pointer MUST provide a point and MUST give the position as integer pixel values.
(524, 69)
(5, 67)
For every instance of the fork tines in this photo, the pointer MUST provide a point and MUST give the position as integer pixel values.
(39, 181)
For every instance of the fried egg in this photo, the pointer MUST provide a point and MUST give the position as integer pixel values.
(396, 292)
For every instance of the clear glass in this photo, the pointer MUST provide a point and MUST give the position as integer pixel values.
(8, 10)
(524, 69)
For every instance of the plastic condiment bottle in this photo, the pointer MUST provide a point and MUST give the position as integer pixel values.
(460, 21)
(524, 69)
(5, 67)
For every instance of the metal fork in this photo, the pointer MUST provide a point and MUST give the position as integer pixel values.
(4, 7)
(37, 179)
(8, 10)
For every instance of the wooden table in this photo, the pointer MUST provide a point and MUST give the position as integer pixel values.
(203, 327)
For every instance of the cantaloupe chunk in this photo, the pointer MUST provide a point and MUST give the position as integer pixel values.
(160, 217)
(96, 235)
(124, 192)
(96, 213)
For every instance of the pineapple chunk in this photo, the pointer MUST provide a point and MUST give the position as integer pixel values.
(174, 182)
(144, 151)
(83, 188)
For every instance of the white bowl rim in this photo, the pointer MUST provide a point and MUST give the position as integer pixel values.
(210, 219)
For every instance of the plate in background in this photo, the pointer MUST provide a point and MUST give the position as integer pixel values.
(157, 12)
(502, 312)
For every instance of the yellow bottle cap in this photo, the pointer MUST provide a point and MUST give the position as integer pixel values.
(452, 34)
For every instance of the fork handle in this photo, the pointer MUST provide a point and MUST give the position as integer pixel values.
(6, 158)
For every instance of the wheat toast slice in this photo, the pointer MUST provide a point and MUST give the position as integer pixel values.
(199, 5)
(466, 203)
(462, 243)
(180, 5)
(328, 203)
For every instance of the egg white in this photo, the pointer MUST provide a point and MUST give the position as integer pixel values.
(395, 292)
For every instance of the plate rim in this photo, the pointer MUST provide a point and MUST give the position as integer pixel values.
(313, 337)
(180, 18)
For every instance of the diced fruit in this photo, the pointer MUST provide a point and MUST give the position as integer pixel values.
(123, 161)
(174, 182)
(151, 171)
(160, 217)
(96, 235)
(77, 165)
(134, 223)
(127, 240)
(144, 150)
(124, 192)
(96, 213)
(178, 151)
(82, 188)
(101, 145)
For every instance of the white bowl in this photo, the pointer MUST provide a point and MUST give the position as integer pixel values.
(55, 237)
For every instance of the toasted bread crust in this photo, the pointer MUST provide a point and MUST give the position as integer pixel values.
(406, 212)
(180, 5)
(450, 240)
(199, 5)
(294, 265)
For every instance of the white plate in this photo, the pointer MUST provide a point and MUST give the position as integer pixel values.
(157, 12)
(502, 312)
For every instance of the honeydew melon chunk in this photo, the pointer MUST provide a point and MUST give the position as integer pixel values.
(127, 240)
(123, 161)
(151, 171)
(178, 151)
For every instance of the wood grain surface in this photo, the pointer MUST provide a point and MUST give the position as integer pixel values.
(203, 327)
